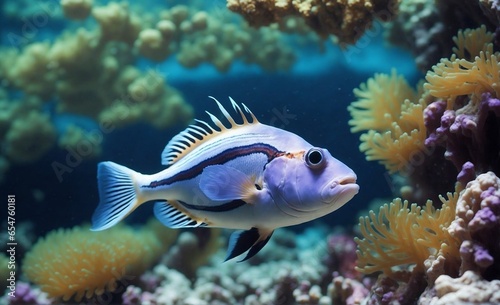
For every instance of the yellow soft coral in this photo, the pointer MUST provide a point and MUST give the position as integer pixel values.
(403, 234)
(470, 42)
(77, 262)
(395, 124)
(460, 75)
(379, 102)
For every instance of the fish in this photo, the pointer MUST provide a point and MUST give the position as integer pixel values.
(241, 174)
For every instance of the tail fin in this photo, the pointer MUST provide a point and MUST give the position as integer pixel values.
(117, 193)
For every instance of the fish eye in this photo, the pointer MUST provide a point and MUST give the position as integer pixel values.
(314, 158)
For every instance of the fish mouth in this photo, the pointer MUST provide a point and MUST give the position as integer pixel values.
(346, 180)
(340, 189)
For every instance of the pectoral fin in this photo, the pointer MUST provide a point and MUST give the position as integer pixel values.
(224, 183)
(241, 241)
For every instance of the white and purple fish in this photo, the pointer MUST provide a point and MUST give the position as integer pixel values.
(248, 176)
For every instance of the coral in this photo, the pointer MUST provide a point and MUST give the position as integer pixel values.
(342, 256)
(28, 142)
(491, 9)
(391, 116)
(465, 117)
(473, 69)
(199, 37)
(346, 20)
(117, 22)
(424, 27)
(76, 263)
(395, 124)
(27, 295)
(418, 28)
(90, 68)
(456, 118)
(87, 72)
(402, 235)
(470, 288)
(453, 77)
(298, 279)
(78, 139)
(76, 9)
(439, 244)
(469, 43)
(24, 295)
(380, 102)
(477, 226)
(192, 250)
(347, 291)
(25, 132)
(467, 133)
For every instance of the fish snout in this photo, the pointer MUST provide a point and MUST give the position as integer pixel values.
(340, 190)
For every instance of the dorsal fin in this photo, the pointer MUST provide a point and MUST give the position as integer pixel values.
(201, 131)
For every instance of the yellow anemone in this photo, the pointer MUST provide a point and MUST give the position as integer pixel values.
(78, 262)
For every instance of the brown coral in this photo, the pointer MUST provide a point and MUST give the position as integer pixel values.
(347, 20)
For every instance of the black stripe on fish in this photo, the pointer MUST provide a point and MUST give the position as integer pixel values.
(229, 206)
(227, 155)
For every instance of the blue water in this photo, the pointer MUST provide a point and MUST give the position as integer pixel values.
(310, 100)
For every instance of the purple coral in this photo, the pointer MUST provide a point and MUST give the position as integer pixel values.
(27, 295)
(478, 226)
(342, 257)
(23, 294)
(469, 134)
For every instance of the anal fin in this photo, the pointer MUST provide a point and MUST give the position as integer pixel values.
(171, 216)
(252, 240)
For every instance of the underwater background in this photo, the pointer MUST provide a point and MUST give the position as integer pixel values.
(411, 84)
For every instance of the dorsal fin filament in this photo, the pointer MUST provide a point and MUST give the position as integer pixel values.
(195, 134)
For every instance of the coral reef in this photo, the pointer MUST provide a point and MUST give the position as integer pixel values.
(465, 117)
(455, 115)
(346, 20)
(419, 249)
(77, 263)
(401, 236)
(27, 295)
(477, 226)
(425, 26)
(467, 289)
(91, 70)
(390, 114)
(87, 72)
(76, 9)
(192, 250)
(301, 279)
(386, 108)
